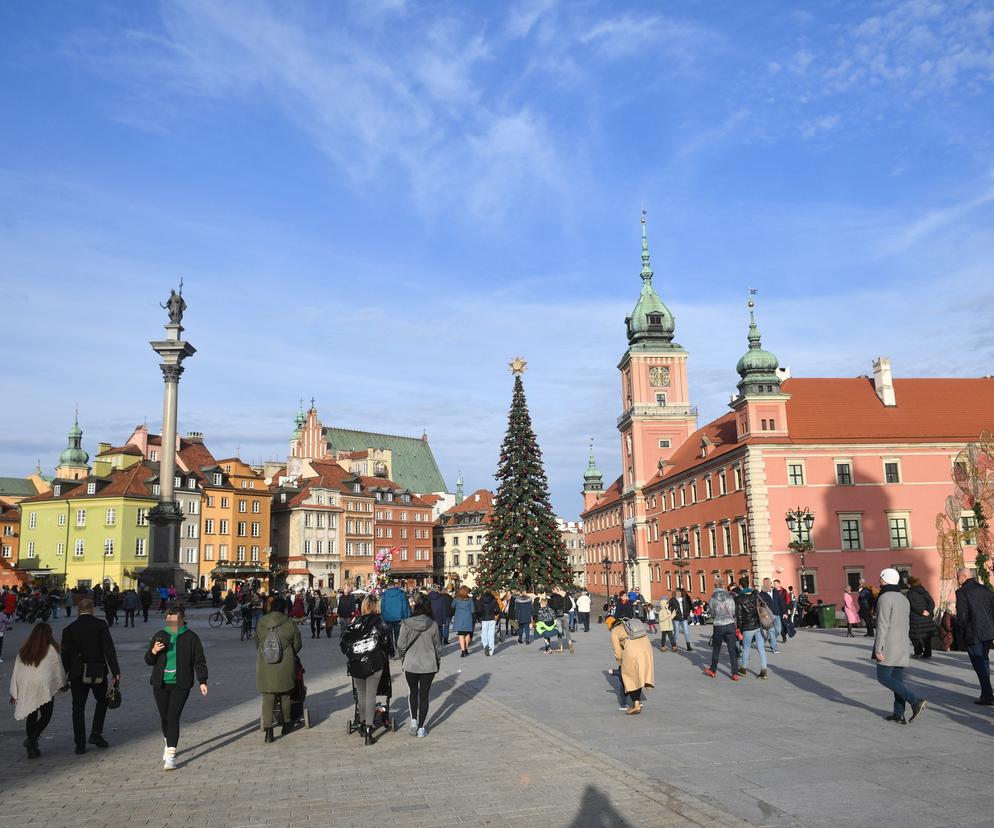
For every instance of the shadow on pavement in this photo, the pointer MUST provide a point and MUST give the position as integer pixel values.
(457, 697)
(228, 738)
(596, 811)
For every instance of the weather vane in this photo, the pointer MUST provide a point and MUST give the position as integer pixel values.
(752, 292)
(517, 366)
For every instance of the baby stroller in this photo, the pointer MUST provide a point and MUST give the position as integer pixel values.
(298, 713)
(382, 712)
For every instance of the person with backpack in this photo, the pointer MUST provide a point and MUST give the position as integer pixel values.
(633, 652)
(546, 626)
(419, 647)
(38, 675)
(368, 645)
(175, 655)
(724, 631)
(747, 616)
(277, 641)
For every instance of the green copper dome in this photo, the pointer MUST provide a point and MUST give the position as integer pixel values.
(757, 368)
(651, 320)
(592, 477)
(74, 455)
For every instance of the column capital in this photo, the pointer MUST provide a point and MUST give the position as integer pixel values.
(171, 373)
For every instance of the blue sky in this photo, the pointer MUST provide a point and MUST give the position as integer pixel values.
(378, 204)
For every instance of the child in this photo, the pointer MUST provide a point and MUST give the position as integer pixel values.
(650, 617)
(666, 626)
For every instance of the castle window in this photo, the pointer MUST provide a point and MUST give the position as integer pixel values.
(655, 319)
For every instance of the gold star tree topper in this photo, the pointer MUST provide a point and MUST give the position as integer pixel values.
(517, 366)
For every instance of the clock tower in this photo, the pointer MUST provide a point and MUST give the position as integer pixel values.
(656, 415)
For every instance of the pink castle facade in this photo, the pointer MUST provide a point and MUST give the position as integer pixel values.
(870, 457)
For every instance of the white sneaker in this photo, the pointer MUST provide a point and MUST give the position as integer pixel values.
(414, 726)
(422, 733)
(165, 749)
(169, 763)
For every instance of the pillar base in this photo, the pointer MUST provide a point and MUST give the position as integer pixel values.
(164, 576)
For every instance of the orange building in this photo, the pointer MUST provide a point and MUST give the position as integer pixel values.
(403, 520)
(235, 524)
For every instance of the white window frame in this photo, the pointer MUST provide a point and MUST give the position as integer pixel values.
(900, 472)
(840, 461)
(858, 517)
(140, 545)
(899, 514)
(804, 472)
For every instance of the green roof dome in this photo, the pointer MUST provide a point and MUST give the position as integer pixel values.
(592, 477)
(757, 368)
(651, 320)
(74, 455)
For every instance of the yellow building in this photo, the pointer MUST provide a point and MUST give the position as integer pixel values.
(460, 535)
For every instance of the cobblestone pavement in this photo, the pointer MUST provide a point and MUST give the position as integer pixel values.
(482, 762)
(524, 738)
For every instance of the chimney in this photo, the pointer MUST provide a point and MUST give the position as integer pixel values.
(784, 373)
(194, 437)
(476, 498)
(883, 382)
(102, 447)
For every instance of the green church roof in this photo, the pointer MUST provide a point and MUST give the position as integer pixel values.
(757, 368)
(651, 322)
(414, 465)
(17, 487)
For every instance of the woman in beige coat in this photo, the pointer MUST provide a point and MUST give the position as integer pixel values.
(634, 655)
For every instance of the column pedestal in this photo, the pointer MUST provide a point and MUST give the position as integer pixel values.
(164, 539)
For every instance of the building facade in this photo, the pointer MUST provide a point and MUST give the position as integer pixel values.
(306, 533)
(403, 525)
(460, 535)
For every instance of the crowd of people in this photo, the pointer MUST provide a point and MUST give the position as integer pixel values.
(413, 625)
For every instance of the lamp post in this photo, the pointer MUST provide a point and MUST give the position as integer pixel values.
(799, 523)
(681, 546)
(606, 563)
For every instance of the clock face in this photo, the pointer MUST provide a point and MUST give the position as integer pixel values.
(659, 375)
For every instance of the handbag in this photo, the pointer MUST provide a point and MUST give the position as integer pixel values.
(113, 696)
(765, 616)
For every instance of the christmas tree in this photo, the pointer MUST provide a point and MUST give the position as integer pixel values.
(524, 549)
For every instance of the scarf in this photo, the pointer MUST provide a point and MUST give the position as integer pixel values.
(169, 671)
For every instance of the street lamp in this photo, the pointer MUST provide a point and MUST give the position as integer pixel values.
(799, 523)
(681, 546)
(606, 563)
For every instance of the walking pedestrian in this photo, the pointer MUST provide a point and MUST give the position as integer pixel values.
(975, 620)
(145, 600)
(87, 654)
(67, 602)
(559, 602)
(785, 627)
(867, 602)
(633, 652)
(462, 618)
(6, 622)
(318, 610)
(665, 615)
(680, 607)
(175, 655)
(747, 618)
(368, 645)
(725, 611)
(488, 608)
(277, 641)
(583, 610)
(523, 612)
(38, 675)
(890, 646)
(419, 646)
(346, 609)
(394, 608)
(112, 603)
(922, 623)
(778, 609)
(129, 603)
(850, 606)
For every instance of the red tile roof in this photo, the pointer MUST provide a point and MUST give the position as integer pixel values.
(471, 504)
(847, 410)
(195, 456)
(130, 482)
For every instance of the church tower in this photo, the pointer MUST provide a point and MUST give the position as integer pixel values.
(656, 415)
(593, 481)
(760, 407)
(74, 462)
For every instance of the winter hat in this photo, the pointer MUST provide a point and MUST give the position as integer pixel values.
(890, 576)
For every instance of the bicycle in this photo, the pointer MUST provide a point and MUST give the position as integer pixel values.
(220, 617)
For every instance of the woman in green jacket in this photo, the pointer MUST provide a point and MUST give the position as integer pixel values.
(175, 654)
(274, 678)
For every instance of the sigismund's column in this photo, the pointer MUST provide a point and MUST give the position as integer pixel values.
(166, 517)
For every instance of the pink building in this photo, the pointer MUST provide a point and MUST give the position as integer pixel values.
(870, 457)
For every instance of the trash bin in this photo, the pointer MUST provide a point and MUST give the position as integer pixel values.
(826, 616)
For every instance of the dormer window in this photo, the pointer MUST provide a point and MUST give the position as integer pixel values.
(357, 487)
(57, 490)
(217, 479)
(91, 488)
(655, 319)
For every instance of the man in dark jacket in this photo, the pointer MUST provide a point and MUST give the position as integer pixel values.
(145, 599)
(441, 611)
(87, 653)
(747, 618)
(975, 618)
(346, 609)
(680, 607)
(524, 612)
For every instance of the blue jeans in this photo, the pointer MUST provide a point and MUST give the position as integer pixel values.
(684, 627)
(489, 628)
(443, 630)
(773, 634)
(893, 679)
(980, 659)
(571, 616)
(525, 631)
(395, 630)
(748, 636)
(55, 610)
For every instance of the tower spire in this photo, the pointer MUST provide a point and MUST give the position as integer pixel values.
(593, 480)
(646, 268)
(757, 368)
(755, 339)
